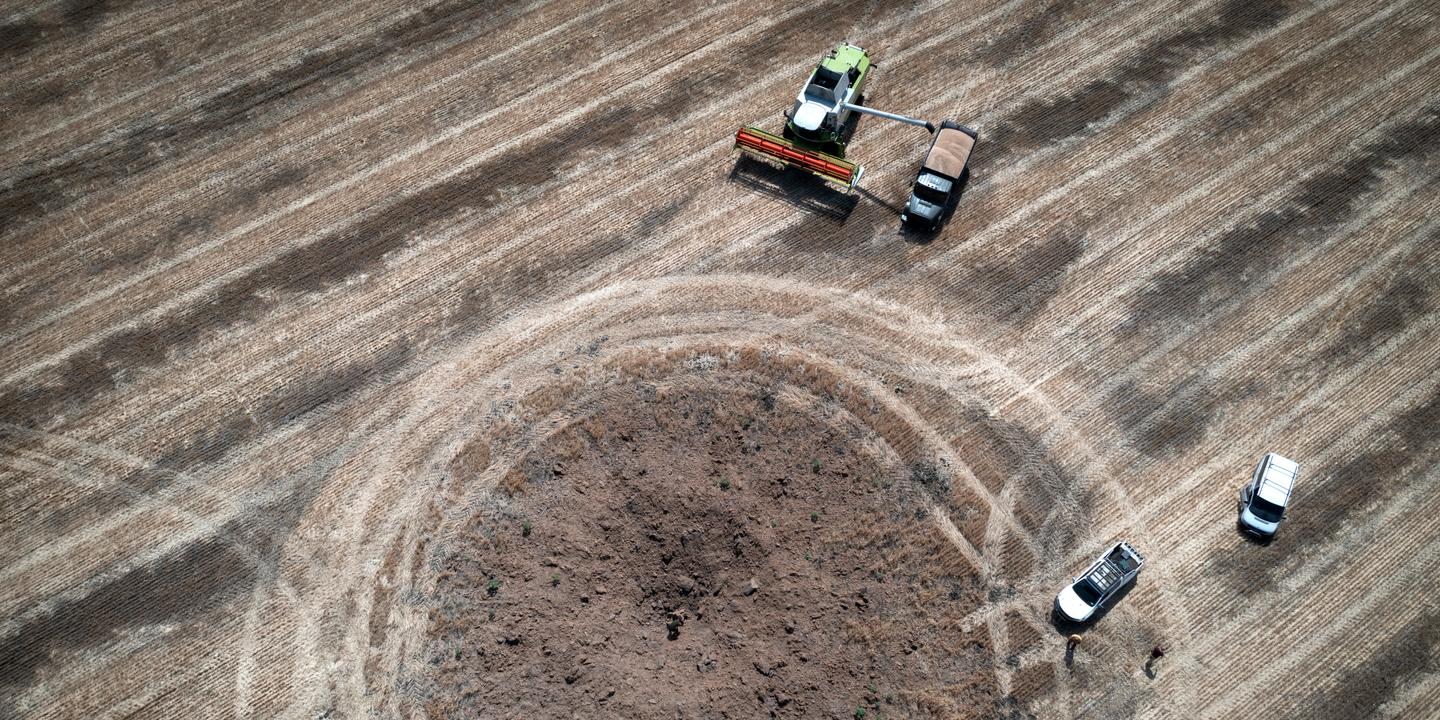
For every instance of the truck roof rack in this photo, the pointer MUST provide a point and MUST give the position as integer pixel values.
(1105, 575)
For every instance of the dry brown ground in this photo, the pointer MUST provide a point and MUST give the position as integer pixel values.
(789, 566)
(303, 305)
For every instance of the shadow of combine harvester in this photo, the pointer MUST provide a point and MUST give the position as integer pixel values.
(796, 188)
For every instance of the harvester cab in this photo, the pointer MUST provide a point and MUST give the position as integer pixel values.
(820, 124)
(821, 114)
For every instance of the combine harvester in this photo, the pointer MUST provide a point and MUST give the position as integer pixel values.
(820, 125)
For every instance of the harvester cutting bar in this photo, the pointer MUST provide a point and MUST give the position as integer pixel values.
(826, 166)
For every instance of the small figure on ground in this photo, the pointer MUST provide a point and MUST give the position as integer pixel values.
(1155, 654)
(677, 618)
(1074, 641)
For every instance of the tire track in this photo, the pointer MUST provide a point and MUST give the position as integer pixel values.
(1197, 540)
(1313, 570)
(505, 352)
(1109, 389)
(293, 405)
(244, 297)
(489, 315)
(496, 251)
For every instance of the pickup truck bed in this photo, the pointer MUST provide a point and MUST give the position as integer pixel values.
(949, 152)
(1113, 569)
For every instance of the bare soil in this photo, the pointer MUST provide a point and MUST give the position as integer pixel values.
(709, 548)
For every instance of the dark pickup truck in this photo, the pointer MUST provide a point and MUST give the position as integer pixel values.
(941, 178)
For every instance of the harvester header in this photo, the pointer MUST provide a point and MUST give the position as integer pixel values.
(759, 142)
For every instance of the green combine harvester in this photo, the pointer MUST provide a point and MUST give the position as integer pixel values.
(820, 125)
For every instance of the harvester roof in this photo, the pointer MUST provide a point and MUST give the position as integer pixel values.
(843, 57)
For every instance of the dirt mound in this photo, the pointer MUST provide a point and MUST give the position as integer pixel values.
(712, 547)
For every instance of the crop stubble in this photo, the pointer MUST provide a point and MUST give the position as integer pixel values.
(259, 468)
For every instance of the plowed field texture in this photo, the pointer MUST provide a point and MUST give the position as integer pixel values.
(445, 360)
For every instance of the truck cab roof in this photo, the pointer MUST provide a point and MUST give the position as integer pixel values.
(935, 181)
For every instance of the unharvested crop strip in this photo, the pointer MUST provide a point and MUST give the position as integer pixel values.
(1406, 583)
(491, 252)
(1315, 568)
(932, 39)
(62, 64)
(1166, 211)
(743, 245)
(1278, 334)
(259, 44)
(1216, 104)
(65, 249)
(185, 21)
(394, 160)
(1353, 431)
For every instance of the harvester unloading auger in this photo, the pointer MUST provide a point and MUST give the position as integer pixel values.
(819, 127)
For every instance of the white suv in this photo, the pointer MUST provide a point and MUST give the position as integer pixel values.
(1264, 499)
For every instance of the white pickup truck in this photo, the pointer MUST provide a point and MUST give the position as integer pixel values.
(1085, 594)
(1263, 500)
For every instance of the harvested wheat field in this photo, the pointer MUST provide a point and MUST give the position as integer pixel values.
(366, 360)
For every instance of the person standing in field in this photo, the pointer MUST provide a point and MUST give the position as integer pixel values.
(1155, 654)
